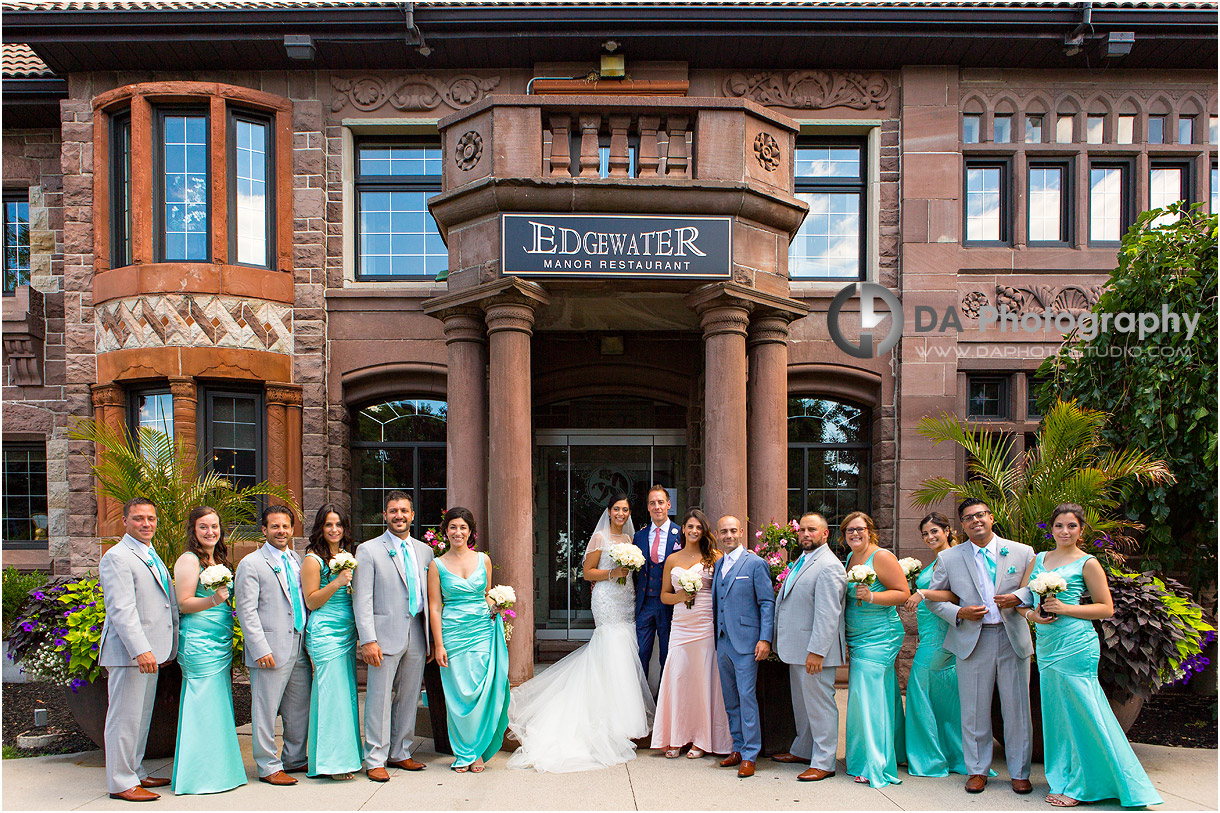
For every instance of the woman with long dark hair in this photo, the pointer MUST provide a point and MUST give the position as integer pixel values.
(690, 704)
(584, 712)
(334, 745)
(468, 645)
(207, 758)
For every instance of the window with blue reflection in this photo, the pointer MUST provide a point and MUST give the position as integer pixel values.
(830, 242)
(16, 243)
(397, 237)
(184, 153)
(250, 177)
(984, 204)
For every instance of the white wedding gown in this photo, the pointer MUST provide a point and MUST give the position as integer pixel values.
(583, 712)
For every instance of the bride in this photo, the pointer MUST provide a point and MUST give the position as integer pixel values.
(583, 712)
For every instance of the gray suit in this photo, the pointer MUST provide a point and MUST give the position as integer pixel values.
(809, 620)
(141, 616)
(381, 602)
(989, 655)
(264, 608)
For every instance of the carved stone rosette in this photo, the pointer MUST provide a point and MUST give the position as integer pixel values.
(766, 150)
(811, 89)
(414, 91)
(469, 150)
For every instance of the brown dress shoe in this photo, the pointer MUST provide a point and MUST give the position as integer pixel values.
(153, 782)
(378, 774)
(786, 758)
(408, 764)
(278, 778)
(746, 768)
(136, 794)
(814, 775)
(731, 761)
(975, 783)
(1022, 786)
(297, 768)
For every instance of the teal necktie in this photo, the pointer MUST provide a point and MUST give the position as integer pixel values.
(990, 564)
(154, 561)
(294, 590)
(792, 575)
(408, 569)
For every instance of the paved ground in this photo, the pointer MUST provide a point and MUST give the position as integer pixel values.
(1186, 778)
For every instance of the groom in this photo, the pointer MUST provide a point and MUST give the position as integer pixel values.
(139, 634)
(656, 541)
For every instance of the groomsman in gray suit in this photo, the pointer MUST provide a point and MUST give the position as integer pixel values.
(140, 633)
(809, 637)
(390, 600)
(271, 610)
(743, 605)
(991, 641)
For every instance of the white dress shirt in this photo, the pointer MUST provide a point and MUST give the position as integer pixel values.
(986, 583)
(652, 535)
(730, 559)
(409, 549)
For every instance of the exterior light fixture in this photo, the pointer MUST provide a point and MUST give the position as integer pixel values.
(299, 46)
(1119, 43)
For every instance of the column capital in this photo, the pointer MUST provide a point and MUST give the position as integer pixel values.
(508, 315)
(725, 317)
(463, 324)
(184, 388)
(284, 394)
(105, 395)
(768, 327)
(483, 296)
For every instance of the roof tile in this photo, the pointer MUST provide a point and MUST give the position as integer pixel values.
(19, 59)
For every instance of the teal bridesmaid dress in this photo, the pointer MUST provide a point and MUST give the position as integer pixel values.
(476, 680)
(334, 743)
(207, 758)
(933, 713)
(1087, 756)
(875, 730)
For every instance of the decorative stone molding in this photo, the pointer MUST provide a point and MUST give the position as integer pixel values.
(766, 150)
(972, 302)
(193, 320)
(24, 318)
(469, 150)
(811, 89)
(107, 395)
(288, 395)
(1070, 298)
(414, 91)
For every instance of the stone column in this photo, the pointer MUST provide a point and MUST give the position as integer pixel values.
(510, 526)
(767, 424)
(186, 405)
(109, 405)
(466, 426)
(284, 441)
(724, 321)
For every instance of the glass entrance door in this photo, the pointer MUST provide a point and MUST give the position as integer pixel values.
(576, 473)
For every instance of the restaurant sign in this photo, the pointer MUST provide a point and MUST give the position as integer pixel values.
(554, 245)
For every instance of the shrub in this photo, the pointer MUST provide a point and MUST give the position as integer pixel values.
(17, 587)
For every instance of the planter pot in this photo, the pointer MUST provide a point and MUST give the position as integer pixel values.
(1035, 714)
(89, 702)
(436, 709)
(775, 707)
(1126, 713)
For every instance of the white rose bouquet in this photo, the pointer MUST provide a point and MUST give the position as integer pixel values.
(691, 581)
(216, 577)
(861, 574)
(626, 554)
(1046, 584)
(502, 598)
(910, 568)
(342, 561)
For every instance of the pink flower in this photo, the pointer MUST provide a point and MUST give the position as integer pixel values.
(758, 534)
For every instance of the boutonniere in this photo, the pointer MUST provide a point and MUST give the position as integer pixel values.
(1004, 551)
(1011, 570)
(393, 553)
(276, 569)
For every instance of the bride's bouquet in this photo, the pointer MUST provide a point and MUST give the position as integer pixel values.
(1047, 584)
(691, 581)
(216, 577)
(342, 561)
(502, 598)
(626, 554)
(910, 568)
(861, 574)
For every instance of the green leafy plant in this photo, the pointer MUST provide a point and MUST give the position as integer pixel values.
(152, 465)
(17, 587)
(1160, 387)
(775, 543)
(1154, 638)
(59, 632)
(1071, 462)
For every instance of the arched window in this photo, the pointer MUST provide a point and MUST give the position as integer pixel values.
(829, 449)
(398, 444)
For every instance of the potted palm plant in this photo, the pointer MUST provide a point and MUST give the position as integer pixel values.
(59, 630)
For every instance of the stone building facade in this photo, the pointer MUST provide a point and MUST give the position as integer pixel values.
(227, 239)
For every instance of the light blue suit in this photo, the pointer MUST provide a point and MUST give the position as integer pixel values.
(743, 604)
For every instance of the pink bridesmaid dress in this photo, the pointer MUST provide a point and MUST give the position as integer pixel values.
(690, 706)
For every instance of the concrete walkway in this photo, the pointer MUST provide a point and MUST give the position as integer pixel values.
(1186, 779)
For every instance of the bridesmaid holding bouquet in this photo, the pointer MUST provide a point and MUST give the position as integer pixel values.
(207, 758)
(333, 744)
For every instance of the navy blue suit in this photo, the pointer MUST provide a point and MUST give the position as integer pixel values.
(743, 604)
(652, 617)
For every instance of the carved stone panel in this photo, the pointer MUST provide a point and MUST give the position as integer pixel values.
(811, 89)
(193, 320)
(414, 91)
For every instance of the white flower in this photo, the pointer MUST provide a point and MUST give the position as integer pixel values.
(691, 580)
(342, 561)
(502, 595)
(1047, 584)
(861, 574)
(627, 555)
(215, 577)
(910, 566)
